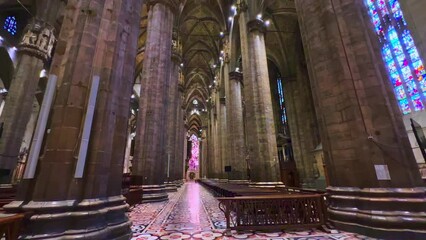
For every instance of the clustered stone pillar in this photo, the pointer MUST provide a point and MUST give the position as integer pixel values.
(368, 157)
(217, 159)
(204, 152)
(222, 132)
(150, 152)
(210, 141)
(180, 137)
(101, 43)
(261, 143)
(171, 118)
(236, 128)
(34, 50)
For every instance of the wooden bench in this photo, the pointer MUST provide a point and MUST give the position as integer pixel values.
(284, 211)
(10, 225)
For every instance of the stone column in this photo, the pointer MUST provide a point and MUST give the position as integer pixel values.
(180, 138)
(261, 143)
(217, 162)
(102, 43)
(185, 153)
(204, 153)
(235, 127)
(34, 51)
(150, 151)
(172, 114)
(126, 166)
(210, 142)
(26, 143)
(368, 157)
(222, 134)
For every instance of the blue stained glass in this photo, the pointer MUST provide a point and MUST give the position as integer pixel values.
(414, 55)
(418, 105)
(402, 60)
(396, 45)
(387, 54)
(406, 69)
(412, 88)
(406, 73)
(396, 80)
(408, 40)
(281, 100)
(392, 66)
(419, 70)
(10, 25)
(397, 13)
(400, 93)
(423, 85)
(382, 7)
(403, 104)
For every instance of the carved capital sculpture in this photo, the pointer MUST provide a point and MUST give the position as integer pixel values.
(38, 39)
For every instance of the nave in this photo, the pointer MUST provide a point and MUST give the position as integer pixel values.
(193, 213)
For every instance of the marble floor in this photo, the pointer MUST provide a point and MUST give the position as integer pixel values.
(193, 213)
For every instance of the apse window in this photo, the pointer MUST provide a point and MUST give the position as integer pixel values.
(10, 25)
(405, 68)
(283, 111)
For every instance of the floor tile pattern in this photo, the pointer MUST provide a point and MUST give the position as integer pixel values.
(193, 213)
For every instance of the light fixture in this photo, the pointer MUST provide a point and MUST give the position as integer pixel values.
(214, 66)
(233, 7)
(221, 34)
(1, 38)
(133, 96)
(237, 69)
(259, 16)
(222, 52)
(230, 19)
(221, 58)
(14, 49)
(267, 23)
(181, 64)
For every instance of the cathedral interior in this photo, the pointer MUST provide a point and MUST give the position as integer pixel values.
(212, 119)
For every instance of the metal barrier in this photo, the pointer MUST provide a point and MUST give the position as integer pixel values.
(273, 211)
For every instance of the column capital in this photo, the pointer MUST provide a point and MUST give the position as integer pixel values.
(172, 4)
(237, 76)
(242, 6)
(256, 25)
(38, 39)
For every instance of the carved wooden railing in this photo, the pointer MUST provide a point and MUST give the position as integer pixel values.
(273, 211)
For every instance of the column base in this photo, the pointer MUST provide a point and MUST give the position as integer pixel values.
(266, 184)
(170, 187)
(391, 213)
(179, 183)
(154, 193)
(102, 218)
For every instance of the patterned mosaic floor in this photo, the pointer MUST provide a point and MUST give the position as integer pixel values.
(193, 213)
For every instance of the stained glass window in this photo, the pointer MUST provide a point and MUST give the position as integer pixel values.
(10, 25)
(405, 68)
(195, 152)
(281, 100)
